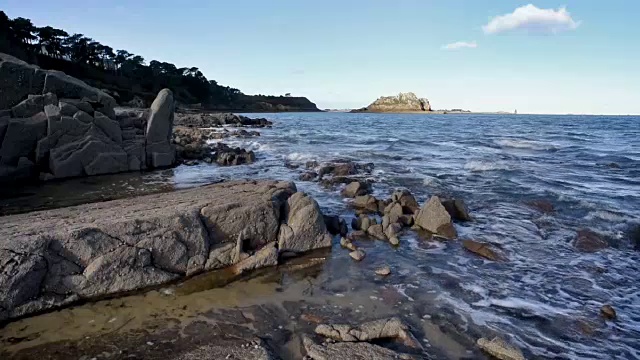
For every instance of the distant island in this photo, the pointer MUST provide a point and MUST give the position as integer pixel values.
(403, 102)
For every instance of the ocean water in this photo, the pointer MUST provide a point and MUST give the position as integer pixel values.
(547, 297)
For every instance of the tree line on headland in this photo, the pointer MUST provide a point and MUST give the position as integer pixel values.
(103, 66)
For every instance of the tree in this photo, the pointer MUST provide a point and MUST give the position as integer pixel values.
(21, 31)
(51, 40)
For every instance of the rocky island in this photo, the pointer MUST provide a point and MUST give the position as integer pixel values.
(401, 103)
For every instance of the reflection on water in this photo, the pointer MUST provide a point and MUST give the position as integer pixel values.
(546, 298)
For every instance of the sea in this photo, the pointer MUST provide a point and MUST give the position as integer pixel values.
(546, 297)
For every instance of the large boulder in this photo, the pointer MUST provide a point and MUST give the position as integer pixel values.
(160, 151)
(21, 137)
(304, 228)
(434, 218)
(56, 257)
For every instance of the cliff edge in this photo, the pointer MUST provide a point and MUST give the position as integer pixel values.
(403, 102)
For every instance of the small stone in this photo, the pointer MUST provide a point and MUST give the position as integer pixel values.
(376, 232)
(347, 244)
(500, 349)
(589, 241)
(357, 255)
(482, 249)
(608, 312)
(383, 271)
(394, 240)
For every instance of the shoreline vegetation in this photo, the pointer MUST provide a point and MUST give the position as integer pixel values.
(128, 77)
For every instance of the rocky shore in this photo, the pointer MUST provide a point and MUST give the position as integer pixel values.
(58, 257)
(402, 103)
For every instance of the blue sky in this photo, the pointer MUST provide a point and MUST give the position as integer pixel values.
(344, 54)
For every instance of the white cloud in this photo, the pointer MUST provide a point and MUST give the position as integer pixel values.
(460, 45)
(532, 19)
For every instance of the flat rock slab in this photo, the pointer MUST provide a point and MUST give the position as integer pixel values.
(55, 257)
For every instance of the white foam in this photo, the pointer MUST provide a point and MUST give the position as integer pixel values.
(526, 144)
(480, 166)
(296, 156)
(606, 215)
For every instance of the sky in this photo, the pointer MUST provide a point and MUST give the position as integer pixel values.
(536, 56)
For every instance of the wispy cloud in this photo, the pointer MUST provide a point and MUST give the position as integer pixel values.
(533, 20)
(460, 45)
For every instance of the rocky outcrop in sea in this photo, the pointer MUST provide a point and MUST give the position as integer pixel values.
(403, 102)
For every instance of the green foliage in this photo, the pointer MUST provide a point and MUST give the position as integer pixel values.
(88, 57)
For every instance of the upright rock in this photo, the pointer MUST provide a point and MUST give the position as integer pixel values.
(159, 149)
(304, 228)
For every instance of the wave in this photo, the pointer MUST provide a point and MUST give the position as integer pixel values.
(296, 156)
(526, 144)
(480, 166)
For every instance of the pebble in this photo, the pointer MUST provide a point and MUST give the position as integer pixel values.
(357, 255)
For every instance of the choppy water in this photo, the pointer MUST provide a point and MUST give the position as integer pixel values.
(546, 298)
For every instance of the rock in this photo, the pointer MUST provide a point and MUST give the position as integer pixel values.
(67, 108)
(382, 204)
(304, 228)
(608, 312)
(56, 257)
(392, 232)
(136, 102)
(357, 255)
(406, 200)
(332, 223)
(65, 86)
(110, 127)
(406, 220)
(544, 206)
(349, 351)
(392, 328)
(347, 244)
(21, 137)
(395, 241)
(383, 271)
(80, 105)
(482, 249)
(363, 222)
(29, 107)
(589, 241)
(403, 102)
(366, 202)
(457, 209)
(357, 235)
(356, 188)
(394, 211)
(308, 176)
(500, 349)
(385, 222)
(434, 218)
(633, 233)
(376, 232)
(219, 119)
(160, 152)
(227, 156)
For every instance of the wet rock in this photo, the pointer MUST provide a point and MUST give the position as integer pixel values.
(349, 351)
(482, 249)
(357, 255)
(392, 328)
(347, 244)
(366, 202)
(394, 211)
(634, 236)
(544, 206)
(210, 120)
(228, 156)
(311, 318)
(304, 229)
(589, 241)
(308, 176)
(385, 222)
(608, 312)
(102, 249)
(334, 224)
(406, 200)
(406, 220)
(383, 271)
(500, 349)
(457, 209)
(361, 222)
(382, 204)
(434, 218)
(391, 233)
(376, 232)
(356, 188)
(357, 235)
